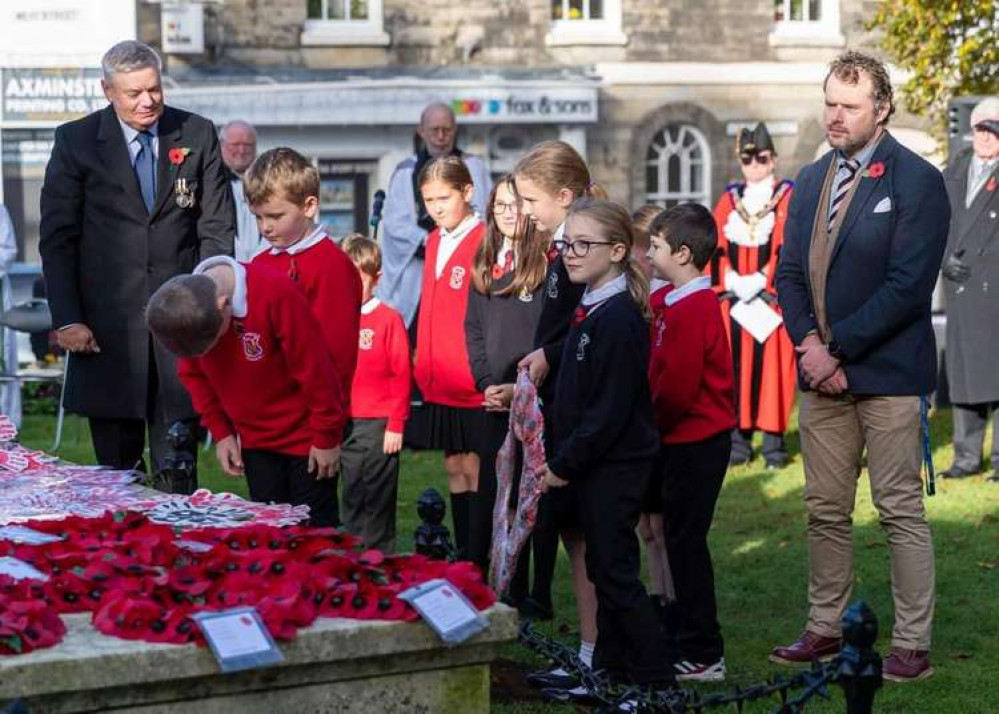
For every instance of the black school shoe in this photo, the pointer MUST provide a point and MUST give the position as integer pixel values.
(555, 678)
(531, 609)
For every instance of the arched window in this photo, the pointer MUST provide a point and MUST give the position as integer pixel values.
(678, 167)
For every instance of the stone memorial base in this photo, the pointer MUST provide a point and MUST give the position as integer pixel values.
(336, 665)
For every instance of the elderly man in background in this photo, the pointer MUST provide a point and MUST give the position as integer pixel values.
(406, 221)
(134, 194)
(971, 267)
(238, 142)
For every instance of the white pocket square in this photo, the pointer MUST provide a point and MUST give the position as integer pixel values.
(884, 205)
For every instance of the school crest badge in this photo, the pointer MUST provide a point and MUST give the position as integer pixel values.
(457, 277)
(584, 341)
(252, 349)
(366, 339)
(552, 289)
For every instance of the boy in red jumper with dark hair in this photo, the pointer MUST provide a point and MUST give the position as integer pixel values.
(379, 408)
(690, 371)
(269, 398)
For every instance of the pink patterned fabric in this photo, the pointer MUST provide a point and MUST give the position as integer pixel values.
(510, 531)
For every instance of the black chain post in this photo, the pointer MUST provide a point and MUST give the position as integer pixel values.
(859, 670)
(176, 475)
(432, 537)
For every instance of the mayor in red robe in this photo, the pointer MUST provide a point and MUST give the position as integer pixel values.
(750, 217)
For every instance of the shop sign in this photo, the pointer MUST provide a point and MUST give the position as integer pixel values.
(50, 95)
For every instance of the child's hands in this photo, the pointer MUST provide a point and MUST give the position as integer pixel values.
(551, 481)
(536, 365)
(498, 397)
(228, 453)
(392, 443)
(324, 462)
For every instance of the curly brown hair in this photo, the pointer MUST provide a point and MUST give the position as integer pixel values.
(847, 68)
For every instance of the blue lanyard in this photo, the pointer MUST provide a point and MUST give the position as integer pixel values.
(924, 422)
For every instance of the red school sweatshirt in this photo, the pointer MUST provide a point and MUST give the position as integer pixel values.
(690, 370)
(441, 368)
(332, 285)
(382, 381)
(264, 380)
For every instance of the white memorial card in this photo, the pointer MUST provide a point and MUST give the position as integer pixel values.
(238, 639)
(19, 570)
(446, 610)
(757, 318)
(28, 536)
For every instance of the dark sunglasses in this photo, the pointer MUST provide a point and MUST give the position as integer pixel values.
(761, 159)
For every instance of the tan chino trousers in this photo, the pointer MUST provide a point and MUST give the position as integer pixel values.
(834, 432)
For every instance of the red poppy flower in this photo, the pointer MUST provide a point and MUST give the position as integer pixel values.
(990, 186)
(177, 156)
(579, 315)
(876, 170)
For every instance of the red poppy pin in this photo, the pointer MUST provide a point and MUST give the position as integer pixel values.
(991, 185)
(497, 272)
(876, 170)
(178, 155)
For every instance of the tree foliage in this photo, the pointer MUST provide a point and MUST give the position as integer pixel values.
(951, 47)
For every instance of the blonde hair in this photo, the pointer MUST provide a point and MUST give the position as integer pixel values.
(364, 252)
(615, 226)
(281, 172)
(555, 165)
(449, 170)
(641, 221)
(531, 254)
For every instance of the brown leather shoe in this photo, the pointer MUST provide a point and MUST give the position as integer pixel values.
(806, 648)
(904, 665)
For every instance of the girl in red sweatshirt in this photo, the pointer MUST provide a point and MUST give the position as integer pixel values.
(452, 413)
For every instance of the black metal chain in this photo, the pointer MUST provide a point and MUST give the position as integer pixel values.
(813, 682)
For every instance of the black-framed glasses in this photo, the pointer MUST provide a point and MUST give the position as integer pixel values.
(499, 208)
(579, 248)
(761, 159)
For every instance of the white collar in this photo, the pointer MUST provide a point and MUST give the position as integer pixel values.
(694, 286)
(462, 229)
(559, 232)
(657, 284)
(317, 236)
(370, 306)
(131, 132)
(606, 292)
(239, 302)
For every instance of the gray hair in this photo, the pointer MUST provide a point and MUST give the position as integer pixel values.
(129, 56)
(237, 124)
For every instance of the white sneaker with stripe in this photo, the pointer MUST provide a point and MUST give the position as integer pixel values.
(687, 671)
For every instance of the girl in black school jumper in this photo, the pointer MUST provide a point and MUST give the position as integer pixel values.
(606, 436)
(503, 310)
(452, 416)
(549, 178)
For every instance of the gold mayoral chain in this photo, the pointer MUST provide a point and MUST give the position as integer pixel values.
(754, 220)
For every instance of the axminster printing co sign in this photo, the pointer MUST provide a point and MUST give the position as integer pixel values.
(49, 95)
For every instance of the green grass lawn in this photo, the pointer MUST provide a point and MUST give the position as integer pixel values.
(761, 565)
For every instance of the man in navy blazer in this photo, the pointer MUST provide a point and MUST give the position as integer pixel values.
(864, 239)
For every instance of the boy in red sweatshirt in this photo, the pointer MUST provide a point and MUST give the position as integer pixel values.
(282, 188)
(379, 408)
(690, 371)
(269, 398)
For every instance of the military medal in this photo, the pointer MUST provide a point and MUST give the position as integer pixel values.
(185, 194)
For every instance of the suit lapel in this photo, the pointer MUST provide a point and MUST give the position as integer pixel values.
(114, 155)
(862, 194)
(169, 138)
(983, 198)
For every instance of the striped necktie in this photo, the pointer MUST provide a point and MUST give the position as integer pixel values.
(842, 188)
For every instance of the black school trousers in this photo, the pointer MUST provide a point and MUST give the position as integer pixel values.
(629, 645)
(692, 480)
(283, 478)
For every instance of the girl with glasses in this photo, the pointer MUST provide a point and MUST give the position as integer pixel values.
(503, 310)
(605, 435)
